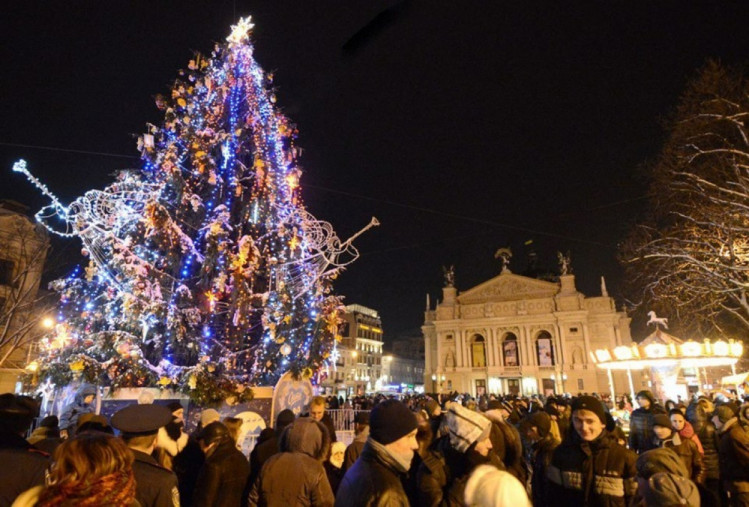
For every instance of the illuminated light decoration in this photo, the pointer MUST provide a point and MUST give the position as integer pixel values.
(623, 353)
(656, 350)
(689, 354)
(202, 258)
(691, 348)
(603, 355)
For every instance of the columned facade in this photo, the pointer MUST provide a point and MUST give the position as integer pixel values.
(520, 335)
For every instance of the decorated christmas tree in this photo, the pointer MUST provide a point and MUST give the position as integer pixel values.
(206, 272)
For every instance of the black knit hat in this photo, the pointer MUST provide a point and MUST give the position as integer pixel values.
(390, 421)
(590, 403)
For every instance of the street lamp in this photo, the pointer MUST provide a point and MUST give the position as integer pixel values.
(48, 322)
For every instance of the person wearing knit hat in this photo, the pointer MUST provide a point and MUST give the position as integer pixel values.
(733, 452)
(208, 416)
(664, 489)
(686, 449)
(375, 478)
(590, 467)
(450, 460)
(537, 430)
(304, 446)
(490, 487)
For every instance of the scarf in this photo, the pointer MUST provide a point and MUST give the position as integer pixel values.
(401, 460)
(116, 490)
(687, 432)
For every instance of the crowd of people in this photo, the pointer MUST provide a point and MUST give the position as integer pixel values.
(425, 450)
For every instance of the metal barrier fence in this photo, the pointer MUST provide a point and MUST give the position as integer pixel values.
(343, 418)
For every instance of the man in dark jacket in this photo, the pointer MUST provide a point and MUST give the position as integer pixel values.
(263, 451)
(589, 468)
(23, 466)
(733, 450)
(155, 486)
(361, 432)
(223, 477)
(641, 422)
(537, 430)
(375, 479)
(451, 459)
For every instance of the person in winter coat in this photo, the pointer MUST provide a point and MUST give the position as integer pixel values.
(443, 475)
(537, 430)
(361, 432)
(334, 465)
(641, 422)
(490, 487)
(589, 468)
(24, 466)
(263, 451)
(733, 450)
(665, 436)
(685, 430)
(699, 414)
(46, 436)
(375, 478)
(296, 475)
(506, 442)
(171, 439)
(82, 404)
(222, 480)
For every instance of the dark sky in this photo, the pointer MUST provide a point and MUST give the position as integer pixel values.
(463, 126)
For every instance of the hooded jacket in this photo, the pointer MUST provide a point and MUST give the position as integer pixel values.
(641, 424)
(600, 473)
(296, 475)
(72, 411)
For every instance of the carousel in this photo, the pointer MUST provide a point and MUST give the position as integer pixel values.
(663, 357)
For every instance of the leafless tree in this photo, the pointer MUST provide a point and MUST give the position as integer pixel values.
(690, 257)
(23, 251)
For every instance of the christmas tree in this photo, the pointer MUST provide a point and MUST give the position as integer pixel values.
(206, 272)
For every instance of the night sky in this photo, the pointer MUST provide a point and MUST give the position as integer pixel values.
(462, 126)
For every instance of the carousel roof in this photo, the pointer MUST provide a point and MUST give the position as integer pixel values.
(663, 349)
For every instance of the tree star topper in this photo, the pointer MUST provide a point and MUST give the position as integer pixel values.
(241, 30)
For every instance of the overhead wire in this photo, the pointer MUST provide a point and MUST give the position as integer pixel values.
(421, 209)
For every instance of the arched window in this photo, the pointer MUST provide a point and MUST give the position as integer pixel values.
(478, 351)
(545, 349)
(510, 352)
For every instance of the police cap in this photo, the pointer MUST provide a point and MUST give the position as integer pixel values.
(141, 419)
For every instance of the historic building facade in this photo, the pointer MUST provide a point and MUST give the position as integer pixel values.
(358, 367)
(518, 335)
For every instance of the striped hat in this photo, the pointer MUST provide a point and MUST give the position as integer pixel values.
(466, 426)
